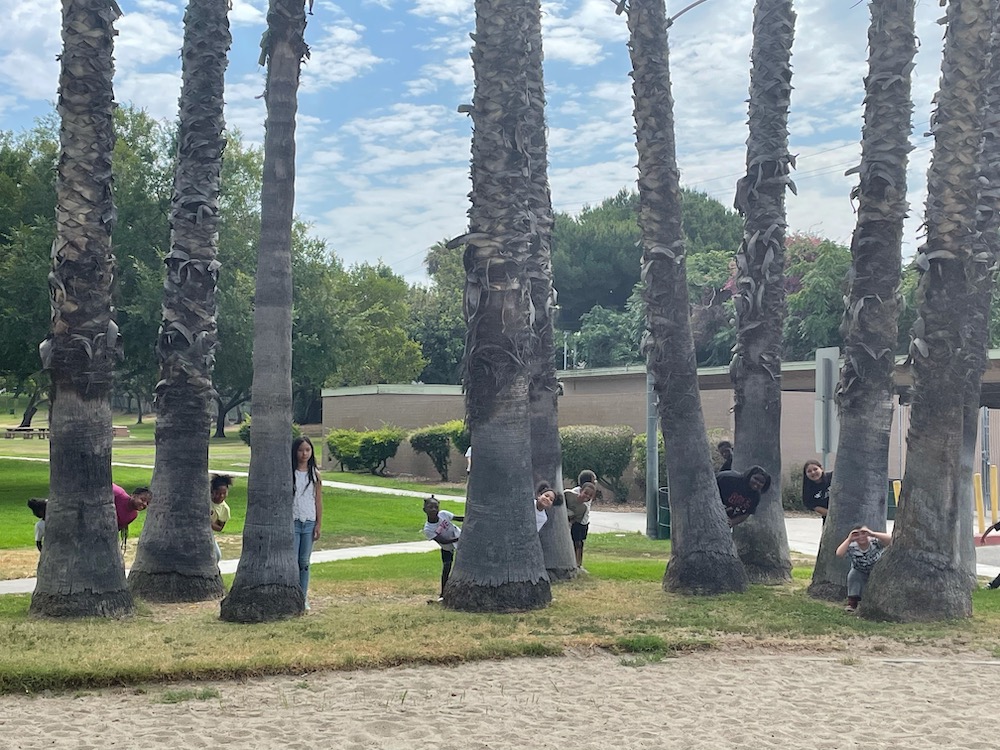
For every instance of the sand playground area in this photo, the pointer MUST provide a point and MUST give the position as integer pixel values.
(701, 701)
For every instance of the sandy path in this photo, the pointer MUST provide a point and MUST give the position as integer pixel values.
(701, 702)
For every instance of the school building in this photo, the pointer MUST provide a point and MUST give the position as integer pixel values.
(617, 395)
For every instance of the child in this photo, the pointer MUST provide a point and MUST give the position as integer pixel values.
(865, 548)
(38, 505)
(578, 503)
(545, 498)
(441, 529)
(816, 487)
(307, 507)
(995, 583)
(740, 492)
(220, 513)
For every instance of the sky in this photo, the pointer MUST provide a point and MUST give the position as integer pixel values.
(383, 153)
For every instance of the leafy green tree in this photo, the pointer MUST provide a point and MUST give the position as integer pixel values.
(596, 259)
(815, 281)
(436, 321)
(381, 351)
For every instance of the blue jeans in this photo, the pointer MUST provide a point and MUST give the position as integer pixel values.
(303, 549)
(856, 581)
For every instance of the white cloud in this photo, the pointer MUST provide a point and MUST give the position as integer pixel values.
(145, 39)
(248, 13)
(157, 93)
(338, 56)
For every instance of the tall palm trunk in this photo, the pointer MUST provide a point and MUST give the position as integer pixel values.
(760, 296)
(80, 573)
(703, 559)
(175, 560)
(869, 327)
(543, 388)
(266, 586)
(986, 255)
(499, 565)
(921, 576)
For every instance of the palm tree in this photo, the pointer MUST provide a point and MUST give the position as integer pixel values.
(81, 573)
(703, 559)
(175, 560)
(922, 575)
(500, 566)
(986, 255)
(759, 298)
(543, 388)
(869, 325)
(266, 586)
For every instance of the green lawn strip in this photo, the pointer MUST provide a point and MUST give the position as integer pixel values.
(372, 613)
(371, 480)
(350, 518)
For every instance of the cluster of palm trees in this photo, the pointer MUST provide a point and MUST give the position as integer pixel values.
(511, 391)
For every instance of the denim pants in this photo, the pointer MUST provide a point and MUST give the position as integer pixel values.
(303, 549)
(856, 581)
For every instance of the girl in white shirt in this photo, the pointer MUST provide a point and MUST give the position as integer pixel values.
(307, 506)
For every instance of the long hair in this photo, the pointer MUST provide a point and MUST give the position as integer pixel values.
(311, 471)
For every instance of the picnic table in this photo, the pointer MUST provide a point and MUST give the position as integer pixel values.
(42, 433)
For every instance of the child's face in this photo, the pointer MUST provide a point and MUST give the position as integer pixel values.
(219, 494)
(431, 509)
(814, 472)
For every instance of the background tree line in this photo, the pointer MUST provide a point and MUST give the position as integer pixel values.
(347, 328)
(365, 324)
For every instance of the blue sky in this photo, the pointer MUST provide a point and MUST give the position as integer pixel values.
(383, 153)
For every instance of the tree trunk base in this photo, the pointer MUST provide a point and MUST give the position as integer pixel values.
(521, 596)
(774, 574)
(262, 604)
(562, 574)
(705, 574)
(913, 586)
(172, 587)
(828, 591)
(111, 604)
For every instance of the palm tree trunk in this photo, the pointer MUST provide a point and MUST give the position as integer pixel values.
(864, 397)
(499, 565)
(266, 586)
(80, 573)
(543, 389)
(703, 559)
(983, 279)
(921, 576)
(760, 289)
(175, 560)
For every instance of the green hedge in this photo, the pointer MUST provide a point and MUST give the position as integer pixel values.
(607, 451)
(435, 441)
(368, 451)
(244, 432)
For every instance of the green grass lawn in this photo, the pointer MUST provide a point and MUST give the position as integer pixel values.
(350, 518)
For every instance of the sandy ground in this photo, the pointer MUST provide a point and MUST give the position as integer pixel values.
(703, 701)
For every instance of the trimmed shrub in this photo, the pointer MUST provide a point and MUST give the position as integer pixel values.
(607, 451)
(460, 436)
(244, 432)
(435, 441)
(345, 447)
(378, 446)
(791, 489)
